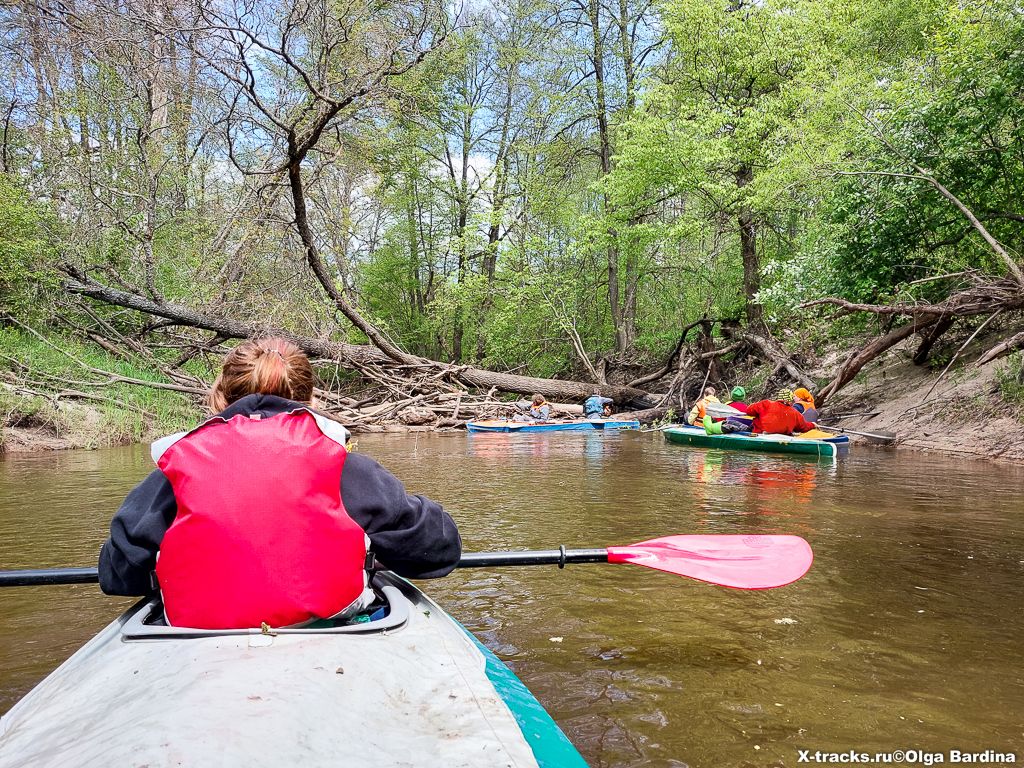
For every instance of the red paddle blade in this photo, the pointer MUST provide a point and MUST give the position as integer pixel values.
(741, 562)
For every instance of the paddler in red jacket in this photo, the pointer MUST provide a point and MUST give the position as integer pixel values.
(261, 515)
(778, 416)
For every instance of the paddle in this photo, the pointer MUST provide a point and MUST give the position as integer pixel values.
(878, 437)
(723, 411)
(737, 561)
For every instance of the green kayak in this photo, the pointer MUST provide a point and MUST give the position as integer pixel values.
(771, 443)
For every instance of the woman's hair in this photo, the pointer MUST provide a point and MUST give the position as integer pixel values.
(538, 399)
(271, 366)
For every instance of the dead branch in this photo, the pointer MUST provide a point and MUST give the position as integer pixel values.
(670, 361)
(55, 397)
(956, 355)
(568, 323)
(771, 350)
(1011, 344)
(855, 362)
(112, 378)
(981, 299)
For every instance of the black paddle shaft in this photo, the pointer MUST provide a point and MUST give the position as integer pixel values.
(44, 576)
(35, 577)
(558, 557)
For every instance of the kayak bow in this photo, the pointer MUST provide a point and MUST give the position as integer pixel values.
(413, 687)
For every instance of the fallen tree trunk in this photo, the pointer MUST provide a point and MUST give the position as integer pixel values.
(984, 298)
(1011, 344)
(360, 357)
(990, 296)
(646, 416)
(569, 410)
(928, 339)
(869, 352)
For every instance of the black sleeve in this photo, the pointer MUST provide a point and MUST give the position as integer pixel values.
(411, 535)
(129, 555)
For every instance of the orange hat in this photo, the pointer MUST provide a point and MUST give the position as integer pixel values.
(803, 394)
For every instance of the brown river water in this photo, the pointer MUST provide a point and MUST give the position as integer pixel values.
(907, 634)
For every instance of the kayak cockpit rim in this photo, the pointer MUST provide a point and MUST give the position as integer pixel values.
(142, 624)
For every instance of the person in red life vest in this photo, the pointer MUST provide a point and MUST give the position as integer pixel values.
(261, 515)
(777, 417)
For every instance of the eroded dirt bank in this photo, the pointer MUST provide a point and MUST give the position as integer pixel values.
(959, 414)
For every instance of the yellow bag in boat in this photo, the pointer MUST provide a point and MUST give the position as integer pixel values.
(815, 434)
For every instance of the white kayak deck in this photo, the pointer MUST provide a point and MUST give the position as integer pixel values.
(415, 696)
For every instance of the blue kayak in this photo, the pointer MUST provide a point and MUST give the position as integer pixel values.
(579, 425)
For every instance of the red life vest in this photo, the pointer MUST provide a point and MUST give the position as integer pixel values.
(261, 534)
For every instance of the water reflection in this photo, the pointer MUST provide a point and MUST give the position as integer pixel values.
(906, 632)
(753, 486)
(501, 446)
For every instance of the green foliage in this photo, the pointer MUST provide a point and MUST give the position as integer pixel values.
(26, 249)
(1010, 378)
(527, 325)
(945, 96)
(804, 117)
(123, 412)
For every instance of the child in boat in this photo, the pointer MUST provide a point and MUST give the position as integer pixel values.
(260, 515)
(729, 423)
(697, 413)
(540, 409)
(593, 408)
(736, 398)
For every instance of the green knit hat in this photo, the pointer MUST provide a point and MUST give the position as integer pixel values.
(738, 393)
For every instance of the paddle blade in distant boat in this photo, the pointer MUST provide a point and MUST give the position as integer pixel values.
(723, 411)
(738, 561)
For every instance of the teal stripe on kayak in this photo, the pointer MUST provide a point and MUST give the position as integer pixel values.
(550, 746)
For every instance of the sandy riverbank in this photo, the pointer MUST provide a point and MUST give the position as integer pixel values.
(961, 415)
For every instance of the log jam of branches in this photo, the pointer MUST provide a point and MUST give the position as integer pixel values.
(415, 374)
(986, 297)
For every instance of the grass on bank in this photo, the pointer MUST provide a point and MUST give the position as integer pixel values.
(47, 384)
(1010, 379)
